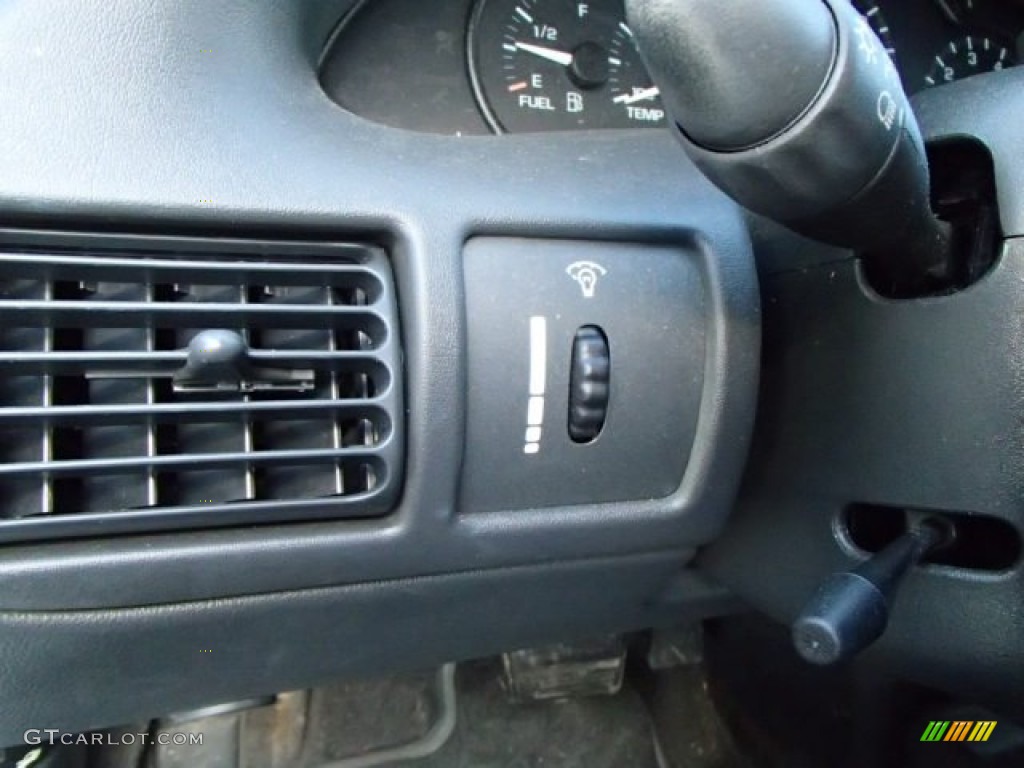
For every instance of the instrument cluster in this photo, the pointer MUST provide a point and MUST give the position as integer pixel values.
(524, 66)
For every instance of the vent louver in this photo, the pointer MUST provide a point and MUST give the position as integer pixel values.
(165, 384)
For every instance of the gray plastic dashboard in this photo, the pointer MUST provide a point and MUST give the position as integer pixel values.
(191, 118)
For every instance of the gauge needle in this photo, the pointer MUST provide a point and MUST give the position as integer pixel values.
(632, 98)
(559, 57)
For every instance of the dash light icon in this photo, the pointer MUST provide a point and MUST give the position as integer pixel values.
(586, 274)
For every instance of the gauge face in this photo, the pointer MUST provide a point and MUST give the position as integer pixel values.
(970, 55)
(545, 65)
(878, 23)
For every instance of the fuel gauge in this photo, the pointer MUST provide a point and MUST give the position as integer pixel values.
(545, 65)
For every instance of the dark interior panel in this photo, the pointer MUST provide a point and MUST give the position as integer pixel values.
(525, 297)
(977, 108)
(402, 63)
(223, 131)
(120, 666)
(900, 406)
(306, 374)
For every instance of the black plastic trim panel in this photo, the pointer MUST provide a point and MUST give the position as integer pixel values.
(902, 404)
(984, 108)
(223, 130)
(126, 666)
(202, 119)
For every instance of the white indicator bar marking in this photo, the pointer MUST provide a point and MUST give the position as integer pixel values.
(550, 54)
(538, 383)
(535, 412)
(644, 95)
(524, 15)
(538, 355)
(626, 29)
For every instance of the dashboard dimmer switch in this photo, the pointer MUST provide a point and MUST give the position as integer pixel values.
(589, 384)
(550, 422)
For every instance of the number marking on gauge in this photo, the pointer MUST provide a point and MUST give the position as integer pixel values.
(967, 56)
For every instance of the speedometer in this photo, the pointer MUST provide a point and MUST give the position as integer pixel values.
(543, 65)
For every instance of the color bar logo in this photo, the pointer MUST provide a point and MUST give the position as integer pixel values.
(958, 730)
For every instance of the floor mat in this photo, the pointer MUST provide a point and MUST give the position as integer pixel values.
(494, 732)
(353, 722)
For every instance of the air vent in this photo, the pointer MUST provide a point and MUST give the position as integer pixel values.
(166, 384)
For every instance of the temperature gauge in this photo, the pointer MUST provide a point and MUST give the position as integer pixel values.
(632, 89)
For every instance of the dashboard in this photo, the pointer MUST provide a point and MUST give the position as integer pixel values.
(324, 177)
(469, 67)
